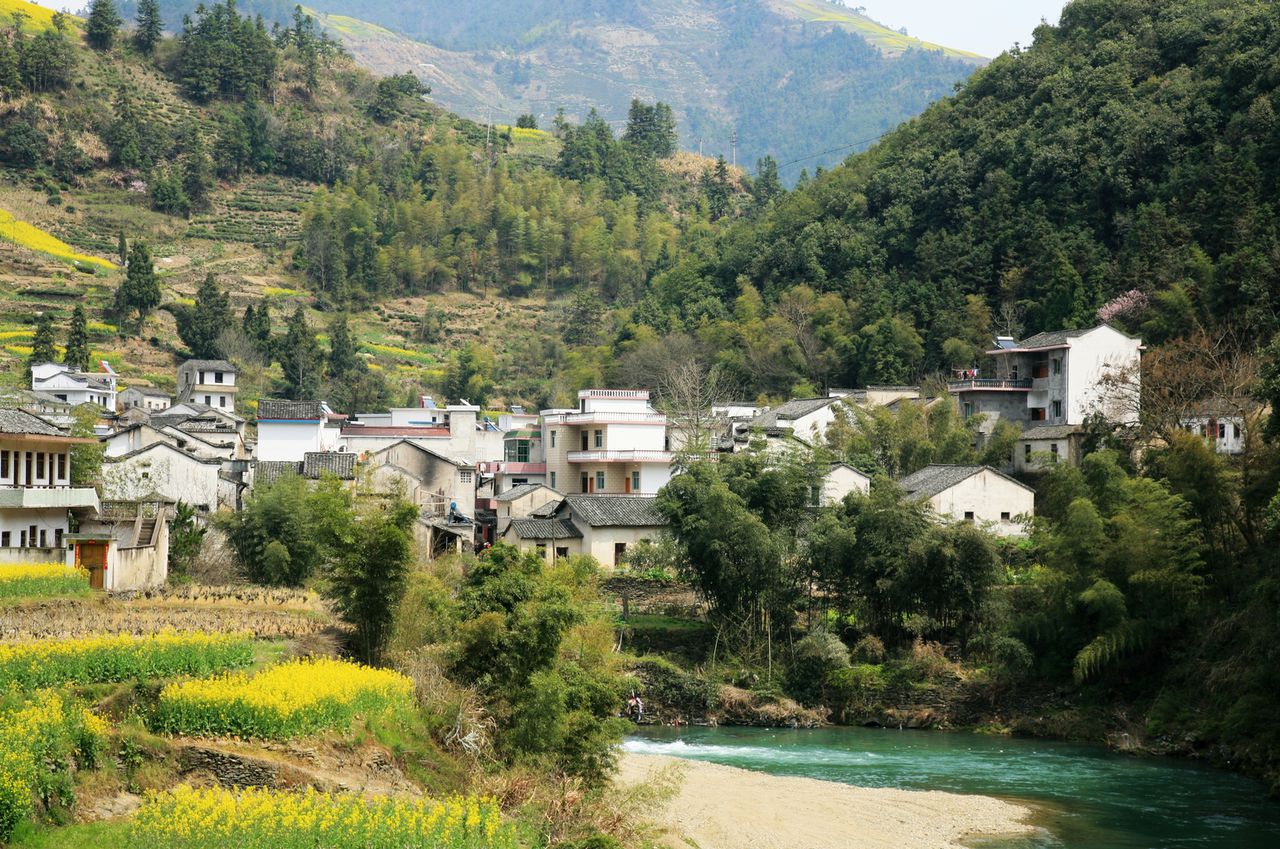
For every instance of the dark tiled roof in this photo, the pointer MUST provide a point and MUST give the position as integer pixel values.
(298, 411)
(22, 422)
(932, 480)
(1051, 338)
(546, 511)
(793, 410)
(521, 491)
(536, 529)
(1051, 431)
(147, 390)
(209, 365)
(269, 471)
(600, 511)
(317, 463)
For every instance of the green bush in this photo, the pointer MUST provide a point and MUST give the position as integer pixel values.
(818, 656)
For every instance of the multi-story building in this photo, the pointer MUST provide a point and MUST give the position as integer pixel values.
(76, 387)
(1054, 380)
(36, 495)
(146, 398)
(614, 443)
(208, 382)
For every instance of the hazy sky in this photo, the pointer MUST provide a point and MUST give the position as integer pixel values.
(988, 27)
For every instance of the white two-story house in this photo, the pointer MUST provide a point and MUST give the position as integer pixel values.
(76, 387)
(1049, 383)
(613, 443)
(208, 382)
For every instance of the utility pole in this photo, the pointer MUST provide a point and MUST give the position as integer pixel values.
(733, 140)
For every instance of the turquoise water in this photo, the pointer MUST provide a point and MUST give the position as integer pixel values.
(1086, 797)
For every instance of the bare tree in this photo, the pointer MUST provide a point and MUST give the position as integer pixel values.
(687, 392)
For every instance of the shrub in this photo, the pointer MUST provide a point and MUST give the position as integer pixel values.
(187, 818)
(99, 659)
(818, 655)
(288, 700)
(42, 580)
(869, 649)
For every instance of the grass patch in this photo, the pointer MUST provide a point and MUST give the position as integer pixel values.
(94, 835)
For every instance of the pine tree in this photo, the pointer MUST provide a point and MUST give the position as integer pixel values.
(140, 290)
(122, 248)
(766, 185)
(42, 345)
(201, 326)
(257, 326)
(343, 356)
(103, 24)
(300, 358)
(715, 185)
(150, 27)
(77, 353)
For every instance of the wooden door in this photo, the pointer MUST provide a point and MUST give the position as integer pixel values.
(93, 556)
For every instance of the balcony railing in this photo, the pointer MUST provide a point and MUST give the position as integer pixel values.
(613, 418)
(625, 456)
(622, 394)
(982, 383)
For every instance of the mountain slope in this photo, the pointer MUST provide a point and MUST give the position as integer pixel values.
(792, 78)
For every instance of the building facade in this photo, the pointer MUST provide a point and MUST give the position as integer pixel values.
(613, 443)
(978, 494)
(208, 382)
(76, 387)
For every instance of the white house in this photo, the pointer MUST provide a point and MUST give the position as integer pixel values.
(614, 442)
(160, 471)
(436, 482)
(208, 382)
(289, 430)
(806, 418)
(36, 495)
(455, 430)
(840, 480)
(1225, 424)
(1054, 379)
(76, 387)
(978, 494)
(1040, 447)
(145, 398)
(603, 526)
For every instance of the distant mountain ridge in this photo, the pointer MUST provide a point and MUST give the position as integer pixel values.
(791, 78)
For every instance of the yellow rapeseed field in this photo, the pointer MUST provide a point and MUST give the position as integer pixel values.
(288, 700)
(22, 233)
(186, 818)
(41, 580)
(38, 738)
(97, 659)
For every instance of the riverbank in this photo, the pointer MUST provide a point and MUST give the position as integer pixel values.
(722, 807)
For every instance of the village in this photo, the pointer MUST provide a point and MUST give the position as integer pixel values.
(559, 482)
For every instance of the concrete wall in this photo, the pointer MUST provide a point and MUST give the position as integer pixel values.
(841, 481)
(288, 440)
(141, 568)
(813, 426)
(165, 470)
(32, 555)
(988, 496)
(600, 542)
(427, 480)
(1096, 355)
(1031, 455)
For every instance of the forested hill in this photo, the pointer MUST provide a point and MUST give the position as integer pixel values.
(791, 77)
(1133, 148)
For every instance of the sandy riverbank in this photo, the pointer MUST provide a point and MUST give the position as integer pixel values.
(721, 807)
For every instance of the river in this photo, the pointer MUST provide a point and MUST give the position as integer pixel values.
(1085, 796)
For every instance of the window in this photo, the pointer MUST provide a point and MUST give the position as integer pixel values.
(44, 538)
(1057, 409)
(1053, 449)
(26, 469)
(222, 400)
(586, 482)
(22, 539)
(62, 466)
(4, 464)
(1039, 371)
(1037, 414)
(1057, 365)
(465, 476)
(1235, 431)
(968, 409)
(1005, 515)
(40, 465)
(553, 439)
(599, 438)
(208, 400)
(1222, 430)
(217, 377)
(635, 481)
(619, 552)
(968, 515)
(201, 377)
(57, 538)
(1013, 372)
(1026, 451)
(553, 480)
(542, 550)
(561, 552)
(584, 440)
(599, 481)
(5, 539)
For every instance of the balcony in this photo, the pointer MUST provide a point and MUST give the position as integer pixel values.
(34, 497)
(625, 456)
(982, 384)
(613, 418)
(616, 394)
